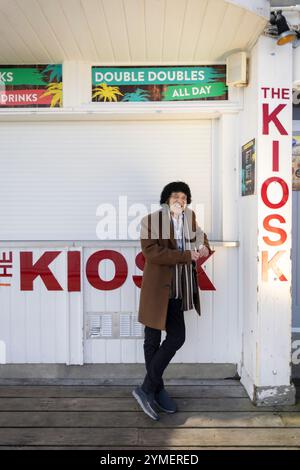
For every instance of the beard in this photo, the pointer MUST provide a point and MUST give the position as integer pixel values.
(176, 208)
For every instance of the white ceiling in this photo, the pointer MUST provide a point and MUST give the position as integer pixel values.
(124, 31)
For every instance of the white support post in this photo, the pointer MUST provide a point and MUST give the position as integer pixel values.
(265, 228)
(71, 85)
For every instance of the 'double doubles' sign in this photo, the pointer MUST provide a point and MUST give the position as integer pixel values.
(114, 84)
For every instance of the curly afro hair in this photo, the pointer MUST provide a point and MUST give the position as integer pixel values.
(175, 187)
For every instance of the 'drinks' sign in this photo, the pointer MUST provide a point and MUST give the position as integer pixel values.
(159, 83)
(31, 86)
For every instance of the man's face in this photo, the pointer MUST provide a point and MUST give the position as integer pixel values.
(177, 202)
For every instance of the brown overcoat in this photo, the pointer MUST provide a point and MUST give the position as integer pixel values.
(161, 255)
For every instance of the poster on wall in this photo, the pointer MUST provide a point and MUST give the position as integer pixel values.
(31, 86)
(296, 162)
(138, 84)
(248, 168)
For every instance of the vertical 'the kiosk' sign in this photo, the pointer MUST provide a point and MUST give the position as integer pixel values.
(274, 213)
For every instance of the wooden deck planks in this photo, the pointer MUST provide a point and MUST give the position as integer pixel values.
(221, 391)
(212, 415)
(151, 437)
(127, 419)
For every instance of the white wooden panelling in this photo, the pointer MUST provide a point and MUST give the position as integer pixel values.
(125, 31)
(33, 324)
(228, 161)
(173, 25)
(233, 16)
(191, 30)
(47, 326)
(57, 174)
(95, 14)
(44, 34)
(213, 337)
(79, 26)
(247, 228)
(75, 319)
(61, 26)
(134, 9)
(296, 259)
(115, 18)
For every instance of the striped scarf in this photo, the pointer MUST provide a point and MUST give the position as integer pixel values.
(182, 275)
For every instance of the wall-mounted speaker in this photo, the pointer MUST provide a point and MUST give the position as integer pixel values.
(237, 69)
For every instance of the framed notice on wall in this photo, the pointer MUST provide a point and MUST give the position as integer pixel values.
(31, 86)
(248, 168)
(168, 83)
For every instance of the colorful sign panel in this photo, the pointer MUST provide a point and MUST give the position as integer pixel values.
(178, 83)
(248, 168)
(296, 162)
(31, 86)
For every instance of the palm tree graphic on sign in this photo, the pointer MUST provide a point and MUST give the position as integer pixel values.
(54, 89)
(138, 95)
(105, 92)
(55, 72)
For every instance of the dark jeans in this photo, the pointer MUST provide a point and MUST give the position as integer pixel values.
(158, 356)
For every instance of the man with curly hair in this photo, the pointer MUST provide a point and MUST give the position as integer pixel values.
(171, 242)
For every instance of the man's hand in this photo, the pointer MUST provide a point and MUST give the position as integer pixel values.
(203, 251)
(195, 255)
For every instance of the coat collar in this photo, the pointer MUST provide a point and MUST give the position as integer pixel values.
(168, 228)
(167, 225)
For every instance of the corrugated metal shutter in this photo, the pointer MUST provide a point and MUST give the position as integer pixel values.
(55, 174)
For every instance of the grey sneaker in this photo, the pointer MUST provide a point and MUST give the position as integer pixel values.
(164, 402)
(145, 401)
